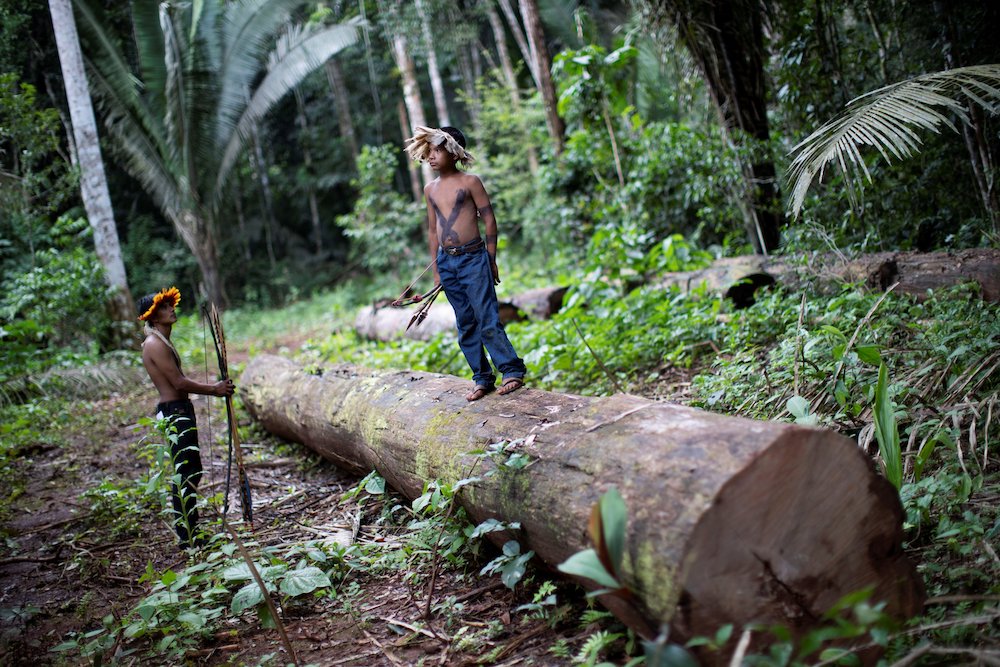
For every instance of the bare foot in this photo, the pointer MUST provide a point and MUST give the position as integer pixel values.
(509, 385)
(478, 393)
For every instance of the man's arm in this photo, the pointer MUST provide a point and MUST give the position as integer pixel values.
(485, 210)
(432, 235)
(163, 360)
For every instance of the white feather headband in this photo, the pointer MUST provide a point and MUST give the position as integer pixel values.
(418, 147)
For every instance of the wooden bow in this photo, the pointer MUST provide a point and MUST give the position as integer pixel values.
(219, 338)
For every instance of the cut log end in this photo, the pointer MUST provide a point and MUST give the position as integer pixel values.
(802, 526)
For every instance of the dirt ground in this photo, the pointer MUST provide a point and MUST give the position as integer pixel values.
(64, 567)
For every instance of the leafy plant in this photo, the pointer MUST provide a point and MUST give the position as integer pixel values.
(602, 563)
(888, 119)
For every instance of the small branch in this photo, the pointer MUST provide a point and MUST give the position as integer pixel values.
(850, 343)
(614, 381)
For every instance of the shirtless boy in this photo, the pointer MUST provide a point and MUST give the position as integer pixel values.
(164, 367)
(464, 264)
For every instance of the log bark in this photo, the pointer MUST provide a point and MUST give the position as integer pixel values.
(380, 322)
(729, 520)
(739, 277)
(385, 323)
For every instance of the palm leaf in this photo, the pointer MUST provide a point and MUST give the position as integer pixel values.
(890, 120)
(246, 30)
(303, 51)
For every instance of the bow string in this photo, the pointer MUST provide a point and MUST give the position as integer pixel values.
(235, 445)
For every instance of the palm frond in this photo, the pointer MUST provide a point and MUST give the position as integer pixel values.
(246, 31)
(175, 56)
(149, 45)
(117, 72)
(304, 51)
(890, 120)
(139, 137)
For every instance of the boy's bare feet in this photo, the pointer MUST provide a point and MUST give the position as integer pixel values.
(478, 392)
(509, 385)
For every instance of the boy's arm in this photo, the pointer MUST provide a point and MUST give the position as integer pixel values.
(432, 235)
(163, 359)
(485, 210)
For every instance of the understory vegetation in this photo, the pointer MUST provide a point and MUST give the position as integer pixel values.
(835, 356)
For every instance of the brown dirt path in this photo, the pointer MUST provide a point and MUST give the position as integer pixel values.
(65, 566)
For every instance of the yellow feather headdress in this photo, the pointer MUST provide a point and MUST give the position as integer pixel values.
(418, 147)
(172, 294)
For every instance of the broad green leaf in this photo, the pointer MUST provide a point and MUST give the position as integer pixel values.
(196, 621)
(586, 564)
(798, 406)
(245, 598)
(614, 517)
(305, 580)
(869, 354)
(238, 572)
(375, 485)
(886, 431)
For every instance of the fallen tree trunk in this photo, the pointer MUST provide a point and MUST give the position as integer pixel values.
(729, 520)
(386, 323)
(738, 278)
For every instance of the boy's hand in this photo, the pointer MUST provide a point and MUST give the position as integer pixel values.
(496, 272)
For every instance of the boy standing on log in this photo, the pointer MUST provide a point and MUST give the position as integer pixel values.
(464, 264)
(163, 364)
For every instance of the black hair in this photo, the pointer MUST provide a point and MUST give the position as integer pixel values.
(455, 133)
(143, 304)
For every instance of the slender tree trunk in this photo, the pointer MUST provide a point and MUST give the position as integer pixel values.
(195, 229)
(981, 158)
(536, 38)
(338, 88)
(726, 40)
(521, 40)
(260, 171)
(437, 86)
(93, 182)
(469, 86)
(500, 38)
(307, 159)
(411, 166)
(411, 94)
(241, 220)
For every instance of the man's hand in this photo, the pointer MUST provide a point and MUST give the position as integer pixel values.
(223, 388)
(496, 271)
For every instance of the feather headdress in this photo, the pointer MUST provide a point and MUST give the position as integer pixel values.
(418, 147)
(149, 303)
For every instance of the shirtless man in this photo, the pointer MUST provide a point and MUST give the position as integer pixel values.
(465, 265)
(164, 367)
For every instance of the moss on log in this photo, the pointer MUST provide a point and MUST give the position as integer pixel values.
(729, 520)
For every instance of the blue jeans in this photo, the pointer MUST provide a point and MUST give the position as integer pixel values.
(468, 283)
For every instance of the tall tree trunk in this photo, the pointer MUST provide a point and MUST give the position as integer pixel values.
(259, 165)
(93, 182)
(500, 38)
(981, 158)
(411, 94)
(536, 40)
(726, 521)
(195, 229)
(521, 40)
(411, 167)
(472, 103)
(726, 40)
(338, 88)
(307, 159)
(433, 71)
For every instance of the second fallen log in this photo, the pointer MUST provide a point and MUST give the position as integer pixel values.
(729, 520)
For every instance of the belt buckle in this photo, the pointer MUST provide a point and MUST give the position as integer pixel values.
(453, 250)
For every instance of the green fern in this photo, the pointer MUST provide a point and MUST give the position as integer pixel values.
(594, 646)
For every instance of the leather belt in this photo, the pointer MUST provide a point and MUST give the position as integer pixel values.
(471, 246)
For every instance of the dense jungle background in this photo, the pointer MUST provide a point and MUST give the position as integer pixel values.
(250, 153)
